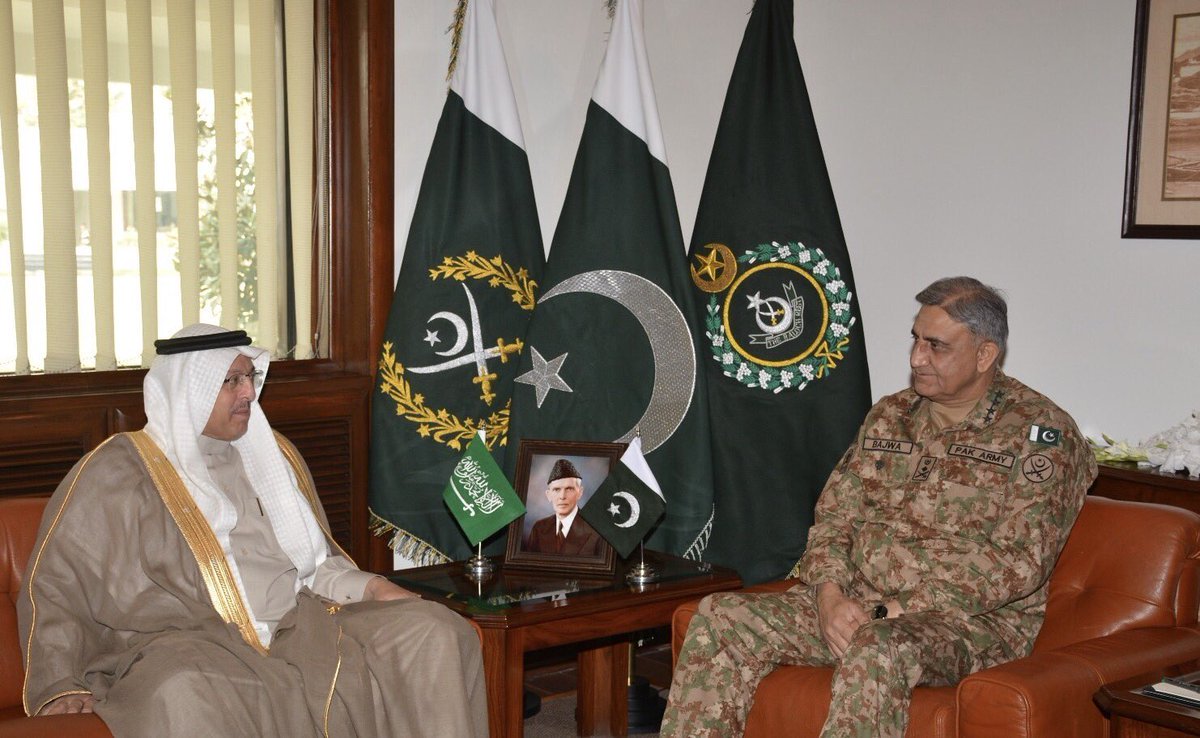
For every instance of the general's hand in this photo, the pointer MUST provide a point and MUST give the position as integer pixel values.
(838, 617)
(381, 589)
(68, 704)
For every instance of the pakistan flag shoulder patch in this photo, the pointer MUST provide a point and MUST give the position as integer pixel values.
(1045, 435)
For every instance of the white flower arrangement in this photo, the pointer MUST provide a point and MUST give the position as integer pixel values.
(1177, 449)
(1173, 450)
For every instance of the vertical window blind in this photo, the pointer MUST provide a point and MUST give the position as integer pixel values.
(157, 170)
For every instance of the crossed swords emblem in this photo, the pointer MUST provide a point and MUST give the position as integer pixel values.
(478, 354)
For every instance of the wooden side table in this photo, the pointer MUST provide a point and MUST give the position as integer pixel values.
(518, 612)
(1134, 715)
(1125, 481)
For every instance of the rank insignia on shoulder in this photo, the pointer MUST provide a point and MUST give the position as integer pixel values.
(1045, 435)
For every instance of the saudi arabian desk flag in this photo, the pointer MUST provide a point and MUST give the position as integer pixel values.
(480, 497)
(628, 503)
(612, 344)
(787, 367)
(463, 299)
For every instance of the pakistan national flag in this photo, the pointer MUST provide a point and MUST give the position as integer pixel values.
(612, 345)
(784, 352)
(463, 299)
(627, 503)
(479, 496)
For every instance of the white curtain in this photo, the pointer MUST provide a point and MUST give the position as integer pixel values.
(126, 126)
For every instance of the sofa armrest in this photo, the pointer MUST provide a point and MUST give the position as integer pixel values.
(683, 614)
(55, 726)
(1050, 694)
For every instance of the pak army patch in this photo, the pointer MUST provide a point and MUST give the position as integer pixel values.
(779, 315)
(1037, 468)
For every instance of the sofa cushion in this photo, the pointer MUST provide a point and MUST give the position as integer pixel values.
(792, 702)
(1126, 565)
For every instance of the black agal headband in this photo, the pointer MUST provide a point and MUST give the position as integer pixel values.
(183, 344)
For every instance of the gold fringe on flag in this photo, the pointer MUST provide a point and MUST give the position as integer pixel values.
(455, 29)
(421, 553)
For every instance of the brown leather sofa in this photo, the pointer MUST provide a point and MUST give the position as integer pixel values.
(19, 519)
(1123, 601)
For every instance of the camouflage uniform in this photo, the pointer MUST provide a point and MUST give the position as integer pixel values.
(962, 526)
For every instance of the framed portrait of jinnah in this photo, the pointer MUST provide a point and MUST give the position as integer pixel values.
(555, 479)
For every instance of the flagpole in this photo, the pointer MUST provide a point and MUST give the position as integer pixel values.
(642, 573)
(479, 567)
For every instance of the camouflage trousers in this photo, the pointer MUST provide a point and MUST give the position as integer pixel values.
(735, 640)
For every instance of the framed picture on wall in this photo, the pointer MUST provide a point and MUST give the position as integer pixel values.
(1162, 162)
(554, 480)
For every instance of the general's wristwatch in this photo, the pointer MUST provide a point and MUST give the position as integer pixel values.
(880, 612)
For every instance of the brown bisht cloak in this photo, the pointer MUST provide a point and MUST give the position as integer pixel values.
(128, 597)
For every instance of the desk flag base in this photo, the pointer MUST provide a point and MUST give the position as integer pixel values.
(479, 567)
(642, 573)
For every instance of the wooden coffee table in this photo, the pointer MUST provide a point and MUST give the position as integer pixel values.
(1134, 715)
(520, 611)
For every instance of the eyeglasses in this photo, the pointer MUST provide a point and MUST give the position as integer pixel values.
(233, 381)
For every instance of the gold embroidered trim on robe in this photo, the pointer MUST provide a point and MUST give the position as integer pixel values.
(210, 557)
(333, 685)
(33, 567)
(314, 501)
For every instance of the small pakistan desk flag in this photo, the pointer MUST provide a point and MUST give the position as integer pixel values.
(480, 497)
(628, 503)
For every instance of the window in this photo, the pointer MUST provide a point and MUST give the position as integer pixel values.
(122, 123)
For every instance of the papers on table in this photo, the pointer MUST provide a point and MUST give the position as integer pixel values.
(1181, 690)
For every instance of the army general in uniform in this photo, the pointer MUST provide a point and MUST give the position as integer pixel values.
(934, 540)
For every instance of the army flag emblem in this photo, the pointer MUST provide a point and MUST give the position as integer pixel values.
(628, 503)
(782, 323)
(479, 496)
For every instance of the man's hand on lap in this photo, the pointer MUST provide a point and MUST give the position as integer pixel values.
(838, 617)
(381, 589)
(68, 704)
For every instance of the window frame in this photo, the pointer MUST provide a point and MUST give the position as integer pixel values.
(360, 214)
(359, 109)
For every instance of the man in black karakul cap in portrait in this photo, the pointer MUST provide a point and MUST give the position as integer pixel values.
(564, 532)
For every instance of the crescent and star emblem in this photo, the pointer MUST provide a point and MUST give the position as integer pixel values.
(635, 510)
(479, 355)
(671, 347)
(714, 271)
(1037, 468)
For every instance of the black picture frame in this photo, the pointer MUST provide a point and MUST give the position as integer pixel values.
(1151, 208)
(535, 459)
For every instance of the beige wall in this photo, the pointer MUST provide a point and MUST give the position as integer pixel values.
(962, 136)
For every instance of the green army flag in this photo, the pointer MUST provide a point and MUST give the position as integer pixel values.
(463, 299)
(627, 503)
(786, 363)
(479, 496)
(612, 344)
